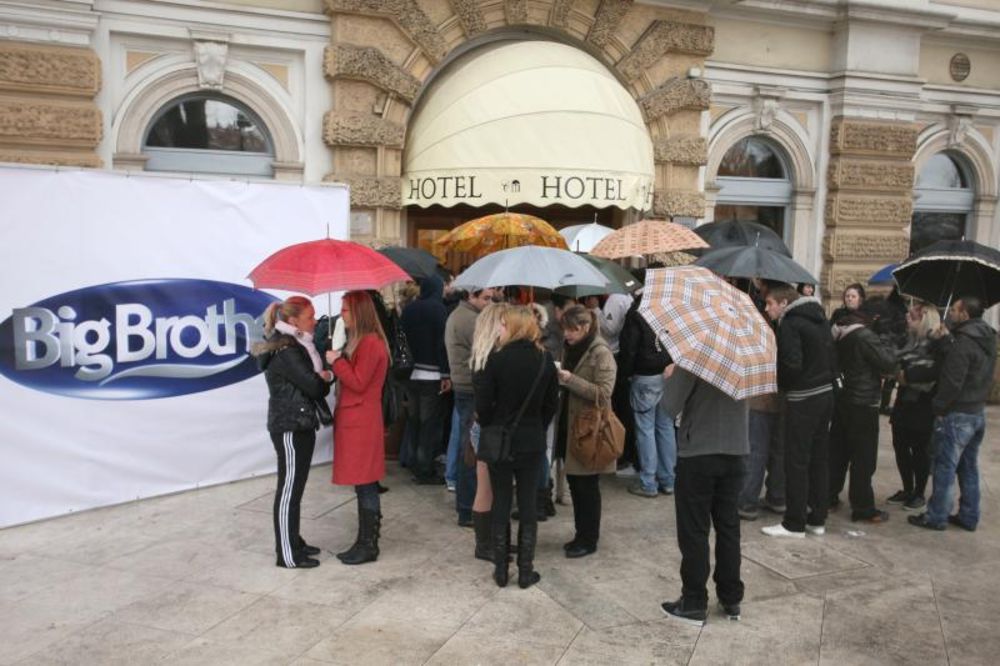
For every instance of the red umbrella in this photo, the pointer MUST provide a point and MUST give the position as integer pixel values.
(326, 265)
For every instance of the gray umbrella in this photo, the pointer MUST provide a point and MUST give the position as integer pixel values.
(530, 266)
(755, 262)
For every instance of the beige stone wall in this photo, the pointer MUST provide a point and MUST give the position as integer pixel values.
(870, 200)
(309, 6)
(382, 53)
(935, 59)
(47, 109)
(750, 43)
(975, 4)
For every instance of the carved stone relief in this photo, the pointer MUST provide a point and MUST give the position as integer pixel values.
(366, 63)
(664, 37)
(872, 138)
(864, 246)
(609, 14)
(372, 192)
(407, 14)
(25, 68)
(675, 95)
(35, 121)
(684, 150)
(560, 12)
(668, 203)
(470, 16)
(59, 158)
(866, 211)
(516, 11)
(871, 175)
(340, 129)
(210, 57)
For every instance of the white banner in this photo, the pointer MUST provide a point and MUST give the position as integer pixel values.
(125, 320)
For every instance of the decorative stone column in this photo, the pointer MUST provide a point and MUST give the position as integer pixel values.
(870, 200)
(47, 109)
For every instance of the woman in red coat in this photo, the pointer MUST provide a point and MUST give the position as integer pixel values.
(358, 450)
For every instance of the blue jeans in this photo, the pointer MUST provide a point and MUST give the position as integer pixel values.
(761, 427)
(454, 446)
(465, 476)
(655, 439)
(957, 437)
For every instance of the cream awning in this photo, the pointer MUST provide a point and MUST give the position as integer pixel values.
(532, 122)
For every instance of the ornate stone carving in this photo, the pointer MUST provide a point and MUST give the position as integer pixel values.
(871, 175)
(516, 11)
(210, 57)
(836, 278)
(958, 129)
(609, 14)
(407, 14)
(675, 95)
(683, 150)
(873, 138)
(470, 16)
(667, 203)
(49, 69)
(560, 12)
(372, 191)
(352, 129)
(867, 211)
(35, 121)
(865, 246)
(56, 158)
(664, 37)
(366, 63)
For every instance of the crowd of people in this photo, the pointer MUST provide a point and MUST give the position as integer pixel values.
(466, 368)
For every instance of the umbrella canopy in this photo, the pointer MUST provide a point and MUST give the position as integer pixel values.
(883, 275)
(647, 237)
(583, 237)
(672, 258)
(950, 269)
(711, 329)
(326, 265)
(620, 281)
(499, 232)
(419, 264)
(755, 262)
(545, 267)
(739, 233)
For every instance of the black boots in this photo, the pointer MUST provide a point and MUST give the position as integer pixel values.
(365, 549)
(501, 540)
(527, 537)
(484, 529)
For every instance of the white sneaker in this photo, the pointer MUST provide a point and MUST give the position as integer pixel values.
(816, 530)
(780, 531)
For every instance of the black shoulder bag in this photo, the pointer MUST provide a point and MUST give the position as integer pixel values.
(494, 439)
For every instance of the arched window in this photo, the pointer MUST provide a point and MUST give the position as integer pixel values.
(754, 185)
(208, 134)
(944, 201)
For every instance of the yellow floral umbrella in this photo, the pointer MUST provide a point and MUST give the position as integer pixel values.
(500, 231)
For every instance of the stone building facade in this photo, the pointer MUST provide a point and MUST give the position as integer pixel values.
(850, 106)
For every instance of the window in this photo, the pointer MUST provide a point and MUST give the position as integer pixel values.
(209, 134)
(754, 185)
(944, 200)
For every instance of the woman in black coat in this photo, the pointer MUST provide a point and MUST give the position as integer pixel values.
(500, 390)
(296, 380)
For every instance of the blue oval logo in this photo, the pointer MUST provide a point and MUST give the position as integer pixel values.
(135, 340)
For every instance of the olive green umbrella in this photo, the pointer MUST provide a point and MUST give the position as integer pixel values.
(620, 281)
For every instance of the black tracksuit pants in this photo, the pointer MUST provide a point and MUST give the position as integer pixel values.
(295, 452)
(912, 444)
(807, 477)
(854, 447)
(585, 491)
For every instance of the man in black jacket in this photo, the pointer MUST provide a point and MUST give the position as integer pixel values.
(423, 322)
(806, 364)
(959, 407)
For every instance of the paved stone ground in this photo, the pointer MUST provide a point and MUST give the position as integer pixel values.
(190, 579)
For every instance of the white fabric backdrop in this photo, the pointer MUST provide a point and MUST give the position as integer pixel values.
(68, 230)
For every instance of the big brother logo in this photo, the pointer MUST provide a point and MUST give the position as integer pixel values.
(135, 340)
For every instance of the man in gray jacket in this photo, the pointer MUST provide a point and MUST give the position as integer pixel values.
(712, 445)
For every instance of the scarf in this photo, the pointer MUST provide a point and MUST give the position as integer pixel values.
(304, 339)
(573, 353)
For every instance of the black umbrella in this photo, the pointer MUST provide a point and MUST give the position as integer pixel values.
(738, 233)
(755, 262)
(420, 264)
(950, 269)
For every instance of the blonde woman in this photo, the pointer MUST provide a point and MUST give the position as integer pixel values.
(518, 390)
(484, 341)
(912, 415)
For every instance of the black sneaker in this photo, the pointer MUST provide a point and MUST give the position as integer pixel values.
(958, 522)
(914, 503)
(678, 609)
(921, 521)
(732, 611)
(899, 497)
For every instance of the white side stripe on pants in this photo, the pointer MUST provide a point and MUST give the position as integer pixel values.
(286, 500)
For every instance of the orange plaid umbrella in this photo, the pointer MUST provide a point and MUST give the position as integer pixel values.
(500, 231)
(711, 329)
(647, 237)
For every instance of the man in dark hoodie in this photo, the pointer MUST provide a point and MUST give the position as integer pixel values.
(423, 322)
(806, 364)
(960, 419)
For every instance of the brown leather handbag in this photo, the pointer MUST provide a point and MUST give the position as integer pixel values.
(596, 437)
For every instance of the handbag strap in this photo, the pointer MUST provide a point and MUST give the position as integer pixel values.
(531, 391)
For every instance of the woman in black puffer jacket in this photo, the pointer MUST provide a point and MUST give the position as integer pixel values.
(296, 380)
